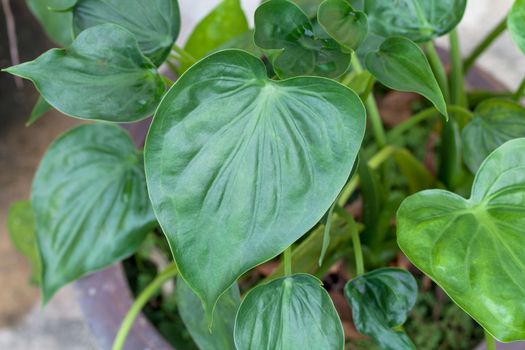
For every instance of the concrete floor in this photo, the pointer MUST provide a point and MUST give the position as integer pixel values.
(60, 326)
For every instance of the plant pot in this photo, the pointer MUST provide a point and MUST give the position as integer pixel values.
(105, 296)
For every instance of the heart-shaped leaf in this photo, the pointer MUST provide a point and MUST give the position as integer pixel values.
(57, 25)
(102, 76)
(154, 23)
(90, 203)
(292, 313)
(347, 26)
(220, 337)
(401, 65)
(474, 248)
(381, 300)
(239, 166)
(282, 25)
(516, 23)
(21, 227)
(225, 22)
(495, 122)
(417, 20)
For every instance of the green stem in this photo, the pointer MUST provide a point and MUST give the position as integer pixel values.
(184, 54)
(287, 257)
(490, 342)
(457, 88)
(519, 92)
(484, 44)
(438, 69)
(173, 68)
(167, 81)
(142, 299)
(356, 241)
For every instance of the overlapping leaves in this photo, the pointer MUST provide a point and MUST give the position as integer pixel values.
(473, 248)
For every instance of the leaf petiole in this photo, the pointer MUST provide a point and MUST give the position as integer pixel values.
(356, 241)
(287, 257)
(184, 54)
(490, 341)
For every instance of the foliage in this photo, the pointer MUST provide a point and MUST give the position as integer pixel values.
(251, 154)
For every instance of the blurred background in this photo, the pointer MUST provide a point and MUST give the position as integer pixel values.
(24, 325)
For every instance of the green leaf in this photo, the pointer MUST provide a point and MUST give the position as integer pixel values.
(90, 203)
(21, 227)
(244, 42)
(419, 178)
(417, 20)
(327, 223)
(154, 23)
(225, 22)
(309, 7)
(347, 26)
(381, 300)
(240, 166)
(292, 313)
(41, 107)
(516, 23)
(281, 25)
(495, 122)
(102, 76)
(401, 65)
(473, 248)
(220, 337)
(57, 25)
(61, 5)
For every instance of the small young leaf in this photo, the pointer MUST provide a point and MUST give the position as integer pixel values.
(247, 165)
(21, 227)
(102, 76)
(57, 25)
(282, 26)
(220, 337)
(292, 313)
(401, 65)
(473, 248)
(90, 203)
(154, 23)
(225, 22)
(347, 26)
(41, 107)
(516, 23)
(495, 122)
(417, 20)
(381, 300)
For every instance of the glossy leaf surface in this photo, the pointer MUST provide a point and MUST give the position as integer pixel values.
(346, 25)
(495, 122)
(102, 76)
(239, 166)
(192, 313)
(401, 65)
(473, 248)
(417, 20)
(516, 23)
(154, 23)
(57, 25)
(282, 26)
(381, 300)
(292, 313)
(21, 227)
(224, 23)
(90, 203)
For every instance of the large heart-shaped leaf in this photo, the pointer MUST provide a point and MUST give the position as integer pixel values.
(225, 22)
(417, 20)
(516, 23)
(292, 313)
(495, 122)
(154, 23)
(347, 26)
(239, 166)
(401, 65)
(90, 203)
(282, 25)
(21, 227)
(474, 249)
(220, 337)
(102, 76)
(381, 300)
(57, 25)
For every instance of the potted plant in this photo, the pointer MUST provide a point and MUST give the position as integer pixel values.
(268, 166)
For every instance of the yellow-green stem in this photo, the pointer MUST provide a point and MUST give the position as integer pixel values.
(490, 342)
(356, 240)
(438, 69)
(287, 257)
